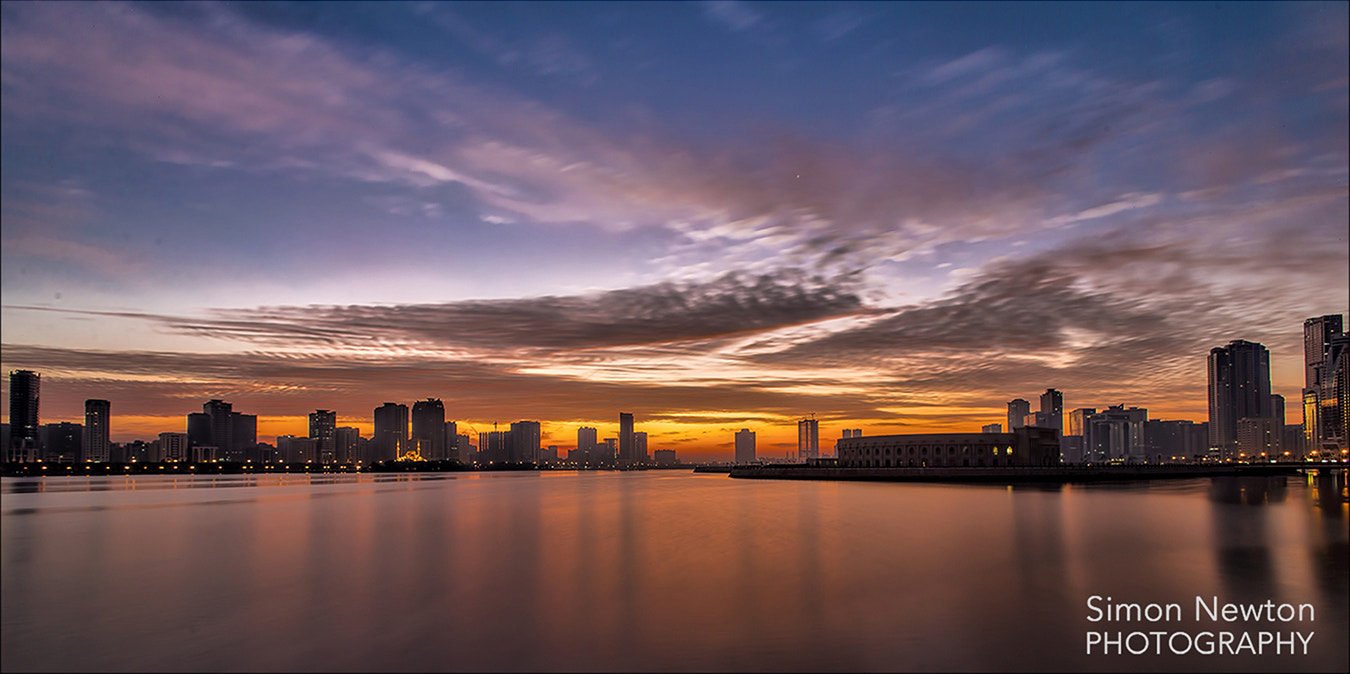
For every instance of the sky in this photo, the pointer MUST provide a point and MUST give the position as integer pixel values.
(715, 216)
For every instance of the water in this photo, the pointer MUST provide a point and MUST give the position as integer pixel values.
(659, 570)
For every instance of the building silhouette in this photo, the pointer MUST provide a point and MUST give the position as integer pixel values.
(1018, 410)
(391, 432)
(1052, 410)
(1115, 434)
(428, 429)
(222, 424)
(626, 454)
(173, 447)
(1028, 446)
(640, 446)
(808, 439)
(586, 441)
(745, 446)
(990, 428)
(97, 447)
(322, 430)
(524, 441)
(1239, 388)
(24, 432)
(1321, 414)
(61, 442)
(347, 445)
(1338, 425)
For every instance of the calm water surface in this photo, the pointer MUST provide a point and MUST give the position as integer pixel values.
(659, 570)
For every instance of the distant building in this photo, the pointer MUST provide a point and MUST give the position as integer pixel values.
(97, 447)
(244, 437)
(1052, 410)
(173, 447)
(626, 438)
(391, 432)
(221, 418)
(322, 429)
(1260, 439)
(665, 457)
(1022, 447)
(525, 441)
(640, 445)
(62, 443)
(1239, 388)
(451, 432)
(808, 439)
(1018, 409)
(428, 428)
(745, 446)
(586, 440)
(1319, 395)
(1116, 434)
(1175, 441)
(991, 428)
(24, 431)
(347, 445)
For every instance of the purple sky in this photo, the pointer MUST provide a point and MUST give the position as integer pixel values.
(713, 215)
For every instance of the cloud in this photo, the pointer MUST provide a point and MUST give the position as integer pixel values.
(665, 313)
(738, 16)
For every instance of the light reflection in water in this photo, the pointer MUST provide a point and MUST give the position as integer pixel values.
(655, 571)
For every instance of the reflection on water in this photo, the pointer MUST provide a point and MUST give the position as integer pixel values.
(649, 571)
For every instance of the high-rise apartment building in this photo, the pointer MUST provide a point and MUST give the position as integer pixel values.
(428, 428)
(173, 447)
(1018, 410)
(745, 446)
(640, 446)
(222, 423)
(24, 431)
(808, 439)
(586, 440)
(525, 441)
(322, 429)
(1052, 410)
(1319, 395)
(347, 444)
(391, 432)
(626, 437)
(97, 447)
(1239, 388)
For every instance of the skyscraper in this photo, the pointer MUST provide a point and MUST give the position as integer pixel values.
(222, 424)
(586, 439)
(626, 437)
(640, 446)
(1337, 416)
(1239, 388)
(391, 431)
(525, 438)
(428, 428)
(346, 444)
(322, 427)
(1319, 385)
(1017, 414)
(97, 448)
(23, 416)
(1052, 409)
(745, 446)
(808, 439)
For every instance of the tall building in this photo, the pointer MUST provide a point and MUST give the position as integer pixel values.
(1116, 434)
(1336, 405)
(347, 444)
(1052, 409)
(322, 429)
(640, 446)
(391, 432)
(1239, 388)
(61, 443)
(1318, 380)
(626, 437)
(451, 433)
(745, 446)
(24, 432)
(808, 439)
(97, 448)
(525, 439)
(586, 440)
(1017, 413)
(222, 423)
(244, 437)
(428, 428)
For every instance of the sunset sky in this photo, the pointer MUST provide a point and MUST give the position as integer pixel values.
(715, 216)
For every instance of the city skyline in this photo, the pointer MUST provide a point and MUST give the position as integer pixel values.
(894, 216)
